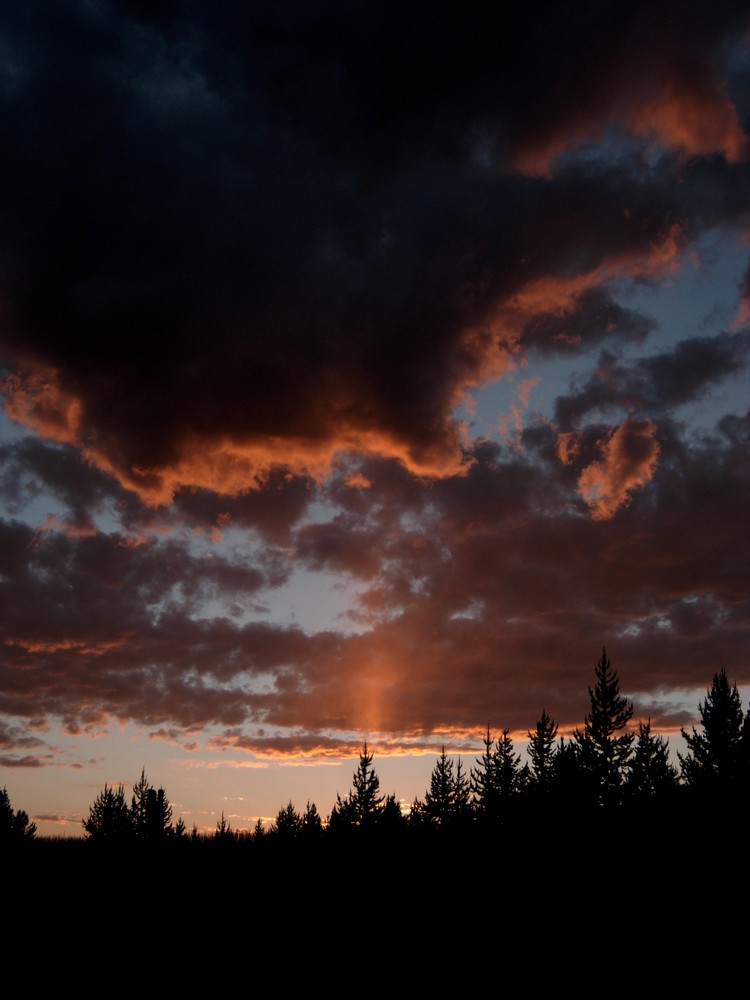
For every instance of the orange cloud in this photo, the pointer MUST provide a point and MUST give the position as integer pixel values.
(226, 465)
(689, 116)
(558, 294)
(241, 460)
(83, 647)
(38, 401)
(568, 447)
(231, 467)
(356, 481)
(696, 121)
(629, 458)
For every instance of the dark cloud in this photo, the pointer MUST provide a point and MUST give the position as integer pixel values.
(487, 597)
(250, 260)
(32, 470)
(592, 318)
(124, 622)
(252, 238)
(659, 382)
(23, 761)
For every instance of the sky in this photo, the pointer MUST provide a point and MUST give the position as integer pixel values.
(365, 370)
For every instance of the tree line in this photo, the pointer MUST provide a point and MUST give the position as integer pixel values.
(604, 768)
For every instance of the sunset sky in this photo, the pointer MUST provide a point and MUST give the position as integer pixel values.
(365, 369)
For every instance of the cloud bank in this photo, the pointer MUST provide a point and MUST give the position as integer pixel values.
(254, 262)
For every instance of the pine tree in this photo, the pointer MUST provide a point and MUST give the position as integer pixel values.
(541, 751)
(440, 799)
(366, 798)
(509, 776)
(651, 777)
(312, 825)
(462, 793)
(497, 778)
(343, 815)
(602, 751)
(158, 815)
(483, 783)
(224, 834)
(714, 759)
(139, 806)
(150, 811)
(14, 826)
(363, 806)
(288, 823)
(109, 816)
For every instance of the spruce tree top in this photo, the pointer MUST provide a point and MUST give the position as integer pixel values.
(365, 798)
(603, 752)
(610, 711)
(714, 756)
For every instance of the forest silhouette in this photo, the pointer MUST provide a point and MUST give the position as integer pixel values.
(606, 776)
(599, 833)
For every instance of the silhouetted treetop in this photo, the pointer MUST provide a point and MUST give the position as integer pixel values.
(148, 818)
(497, 777)
(14, 826)
(602, 751)
(651, 775)
(714, 760)
(541, 750)
(288, 823)
(363, 805)
(150, 811)
(109, 817)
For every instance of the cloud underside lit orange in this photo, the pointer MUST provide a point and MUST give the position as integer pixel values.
(362, 380)
(689, 117)
(630, 454)
(232, 463)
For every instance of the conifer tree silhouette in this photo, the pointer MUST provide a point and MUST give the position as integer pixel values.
(542, 752)
(14, 826)
(714, 759)
(109, 816)
(447, 800)
(651, 774)
(312, 825)
(462, 796)
(509, 775)
(363, 806)
(288, 823)
(483, 783)
(440, 799)
(139, 806)
(150, 811)
(366, 798)
(602, 751)
(224, 834)
(497, 778)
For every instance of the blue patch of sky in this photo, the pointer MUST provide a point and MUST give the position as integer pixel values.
(314, 602)
(699, 300)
